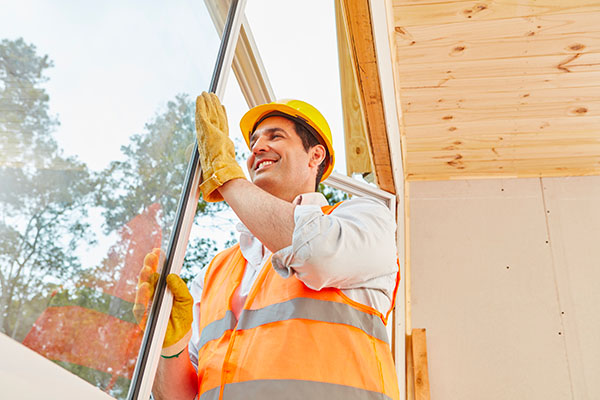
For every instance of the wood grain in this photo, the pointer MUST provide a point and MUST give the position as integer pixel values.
(446, 12)
(362, 47)
(518, 168)
(488, 110)
(539, 25)
(443, 72)
(358, 152)
(421, 370)
(498, 88)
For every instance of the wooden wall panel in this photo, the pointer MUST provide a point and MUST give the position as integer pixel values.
(484, 287)
(499, 88)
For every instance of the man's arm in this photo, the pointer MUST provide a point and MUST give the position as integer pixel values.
(175, 379)
(353, 247)
(269, 218)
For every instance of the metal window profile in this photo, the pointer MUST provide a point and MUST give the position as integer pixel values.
(357, 188)
(149, 355)
(248, 67)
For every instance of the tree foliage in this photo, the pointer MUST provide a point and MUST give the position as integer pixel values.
(153, 172)
(44, 196)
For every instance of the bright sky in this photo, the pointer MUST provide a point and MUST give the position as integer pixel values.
(117, 63)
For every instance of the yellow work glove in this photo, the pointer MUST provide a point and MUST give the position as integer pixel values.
(217, 152)
(179, 328)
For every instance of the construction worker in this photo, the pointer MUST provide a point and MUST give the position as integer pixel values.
(297, 309)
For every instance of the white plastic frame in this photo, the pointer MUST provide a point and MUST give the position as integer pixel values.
(256, 88)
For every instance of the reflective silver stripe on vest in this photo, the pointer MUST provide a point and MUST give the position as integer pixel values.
(299, 308)
(291, 389)
(217, 328)
(315, 310)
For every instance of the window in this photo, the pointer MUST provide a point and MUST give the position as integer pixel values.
(95, 141)
(96, 120)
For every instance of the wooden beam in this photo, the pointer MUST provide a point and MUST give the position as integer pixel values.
(358, 17)
(419, 361)
(410, 369)
(358, 152)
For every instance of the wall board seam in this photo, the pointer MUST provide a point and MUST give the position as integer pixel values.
(564, 298)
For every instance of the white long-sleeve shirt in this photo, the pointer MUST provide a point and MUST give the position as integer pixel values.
(352, 249)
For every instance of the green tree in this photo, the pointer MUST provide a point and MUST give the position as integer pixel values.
(153, 172)
(44, 194)
(332, 194)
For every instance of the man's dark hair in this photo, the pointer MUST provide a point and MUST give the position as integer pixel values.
(309, 141)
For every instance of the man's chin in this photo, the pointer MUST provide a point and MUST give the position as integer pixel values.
(265, 183)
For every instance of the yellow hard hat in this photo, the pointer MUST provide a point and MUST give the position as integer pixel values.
(299, 111)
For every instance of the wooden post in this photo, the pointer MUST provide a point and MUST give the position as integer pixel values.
(362, 48)
(410, 369)
(358, 151)
(419, 359)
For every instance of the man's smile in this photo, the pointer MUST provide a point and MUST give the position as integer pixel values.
(262, 164)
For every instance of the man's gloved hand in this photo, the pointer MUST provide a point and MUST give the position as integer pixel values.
(179, 328)
(217, 152)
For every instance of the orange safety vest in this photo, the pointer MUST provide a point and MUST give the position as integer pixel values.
(291, 342)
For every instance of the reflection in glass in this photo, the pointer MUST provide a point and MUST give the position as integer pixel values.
(90, 176)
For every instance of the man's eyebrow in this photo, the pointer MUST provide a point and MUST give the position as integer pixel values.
(270, 131)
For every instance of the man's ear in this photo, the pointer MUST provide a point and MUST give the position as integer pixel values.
(317, 155)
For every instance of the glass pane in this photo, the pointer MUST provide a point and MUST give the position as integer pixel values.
(96, 127)
(301, 57)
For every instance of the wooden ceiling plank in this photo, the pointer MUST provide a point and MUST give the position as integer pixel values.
(429, 13)
(415, 101)
(451, 51)
(489, 110)
(515, 167)
(517, 151)
(363, 48)
(420, 2)
(442, 72)
(459, 169)
(530, 125)
(542, 25)
(504, 84)
(502, 175)
(507, 140)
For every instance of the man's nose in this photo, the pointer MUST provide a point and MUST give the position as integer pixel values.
(260, 145)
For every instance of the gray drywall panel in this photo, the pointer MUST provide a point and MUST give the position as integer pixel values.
(484, 287)
(573, 214)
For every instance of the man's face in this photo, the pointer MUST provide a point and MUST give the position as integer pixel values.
(278, 162)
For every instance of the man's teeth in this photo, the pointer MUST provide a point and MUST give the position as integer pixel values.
(264, 163)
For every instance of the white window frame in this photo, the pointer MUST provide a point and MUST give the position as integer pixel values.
(256, 89)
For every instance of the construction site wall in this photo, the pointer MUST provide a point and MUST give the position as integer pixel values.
(505, 280)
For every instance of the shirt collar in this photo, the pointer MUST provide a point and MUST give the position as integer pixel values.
(312, 198)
